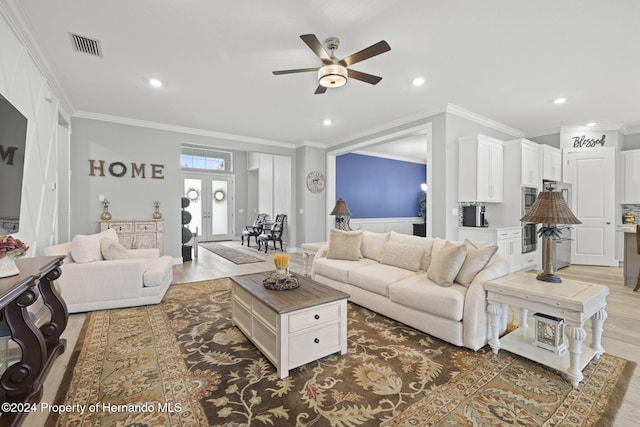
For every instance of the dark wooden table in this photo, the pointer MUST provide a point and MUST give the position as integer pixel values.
(22, 381)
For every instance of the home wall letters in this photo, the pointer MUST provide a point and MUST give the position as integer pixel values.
(119, 169)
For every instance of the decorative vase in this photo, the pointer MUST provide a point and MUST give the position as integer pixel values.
(8, 267)
(157, 214)
(106, 215)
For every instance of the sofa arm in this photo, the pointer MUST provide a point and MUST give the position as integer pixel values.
(322, 253)
(63, 249)
(475, 318)
(143, 253)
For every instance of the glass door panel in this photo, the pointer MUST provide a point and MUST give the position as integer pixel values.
(211, 205)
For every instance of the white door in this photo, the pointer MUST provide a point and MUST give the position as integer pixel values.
(593, 200)
(211, 205)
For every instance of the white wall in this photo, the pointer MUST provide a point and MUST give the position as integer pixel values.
(25, 86)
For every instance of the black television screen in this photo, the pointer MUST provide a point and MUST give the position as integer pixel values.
(13, 141)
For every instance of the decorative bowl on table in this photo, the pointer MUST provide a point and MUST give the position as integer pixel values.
(281, 280)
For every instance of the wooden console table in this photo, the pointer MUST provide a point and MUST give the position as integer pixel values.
(575, 302)
(22, 382)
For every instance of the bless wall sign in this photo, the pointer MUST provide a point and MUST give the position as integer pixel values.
(119, 169)
(584, 142)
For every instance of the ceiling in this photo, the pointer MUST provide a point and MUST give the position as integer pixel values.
(502, 59)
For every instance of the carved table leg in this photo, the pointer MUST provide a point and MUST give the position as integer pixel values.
(495, 313)
(59, 314)
(576, 335)
(597, 323)
(21, 381)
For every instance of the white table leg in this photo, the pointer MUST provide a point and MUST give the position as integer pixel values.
(523, 318)
(495, 313)
(305, 260)
(576, 336)
(597, 325)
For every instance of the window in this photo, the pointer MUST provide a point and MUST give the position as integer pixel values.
(201, 158)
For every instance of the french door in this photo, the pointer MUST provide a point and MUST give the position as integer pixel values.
(211, 205)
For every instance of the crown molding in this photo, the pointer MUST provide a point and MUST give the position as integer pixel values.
(180, 129)
(390, 156)
(12, 12)
(617, 127)
(543, 133)
(631, 130)
(313, 144)
(485, 121)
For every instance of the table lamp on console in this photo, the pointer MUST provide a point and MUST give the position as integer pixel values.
(549, 209)
(343, 214)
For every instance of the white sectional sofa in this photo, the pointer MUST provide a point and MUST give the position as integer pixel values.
(430, 284)
(99, 273)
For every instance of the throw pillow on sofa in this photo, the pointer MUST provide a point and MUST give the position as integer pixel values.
(373, 244)
(477, 258)
(86, 248)
(345, 245)
(408, 257)
(112, 250)
(446, 263)
(425, 242)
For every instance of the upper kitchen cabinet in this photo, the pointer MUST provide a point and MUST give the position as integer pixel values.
(521, 158)
(631, 177)
(551, 158)
(480, 169)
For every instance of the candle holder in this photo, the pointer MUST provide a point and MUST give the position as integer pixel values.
(156, 213)
(106, 215)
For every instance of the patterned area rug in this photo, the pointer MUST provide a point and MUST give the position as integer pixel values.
(230, 254)
(182, 363)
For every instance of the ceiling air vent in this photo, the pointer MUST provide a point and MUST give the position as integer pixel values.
(86, 45)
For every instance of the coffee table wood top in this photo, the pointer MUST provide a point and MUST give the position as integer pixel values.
(310, 293)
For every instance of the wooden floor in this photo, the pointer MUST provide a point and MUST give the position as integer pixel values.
(621, 335)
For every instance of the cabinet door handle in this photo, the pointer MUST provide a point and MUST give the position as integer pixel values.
(317, 341)
(317, 317)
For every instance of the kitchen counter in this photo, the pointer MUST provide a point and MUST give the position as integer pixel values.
(627, 228)
(631, 256)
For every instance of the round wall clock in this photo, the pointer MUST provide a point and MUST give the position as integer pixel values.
(315, 182)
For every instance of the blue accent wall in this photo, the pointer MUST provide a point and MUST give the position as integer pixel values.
(374, 187)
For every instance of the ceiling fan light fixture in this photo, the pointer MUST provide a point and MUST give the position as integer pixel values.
(332, 75)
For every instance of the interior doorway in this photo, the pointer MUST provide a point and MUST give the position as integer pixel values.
(211, 205)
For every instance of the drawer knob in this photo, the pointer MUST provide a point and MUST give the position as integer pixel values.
(317, 341)
(317, 316)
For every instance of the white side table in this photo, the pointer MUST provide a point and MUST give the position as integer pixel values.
(310, 249)
(573, 301)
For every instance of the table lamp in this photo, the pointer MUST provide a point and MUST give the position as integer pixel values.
(342, 213)
(549, 209)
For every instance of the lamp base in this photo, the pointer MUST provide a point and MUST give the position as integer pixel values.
(547, 277)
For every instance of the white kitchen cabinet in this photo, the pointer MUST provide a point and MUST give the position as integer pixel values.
(631, 178)
(522, 162)
(551, 159)
(508, 240)
(480, 173)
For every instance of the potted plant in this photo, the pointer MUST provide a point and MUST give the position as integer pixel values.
(186, 233)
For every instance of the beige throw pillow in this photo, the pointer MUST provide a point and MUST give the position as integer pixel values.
(86, 248)
(345, 245)
(373, 244)
(477, 258)
(446, 263)
(408, 257)
(112, 250)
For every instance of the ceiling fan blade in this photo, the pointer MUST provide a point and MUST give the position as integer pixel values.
(297, 70)
(320, 90)
(314, 44)
(366, 53)
(364, 77)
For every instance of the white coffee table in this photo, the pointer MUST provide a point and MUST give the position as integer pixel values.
(571, 300)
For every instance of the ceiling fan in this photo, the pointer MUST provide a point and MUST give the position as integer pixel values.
(334, 72)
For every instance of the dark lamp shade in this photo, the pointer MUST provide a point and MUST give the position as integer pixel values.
(550, 208)
(340, 209)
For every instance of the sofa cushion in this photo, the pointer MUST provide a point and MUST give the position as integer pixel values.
(426, 242)
(86, 248)
(338, 269)
(376, 278)
(345, 245)
(477, 258)
(112, 250)
(157, 272)
(404, 256)
(373, 244)
(422, 294)
(446, 263)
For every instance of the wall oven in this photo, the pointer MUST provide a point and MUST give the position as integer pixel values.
(529, 237)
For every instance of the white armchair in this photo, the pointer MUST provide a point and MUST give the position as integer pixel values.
(126, 278)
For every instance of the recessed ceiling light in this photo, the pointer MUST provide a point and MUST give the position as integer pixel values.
(155, 82)
(560, 100)
(591, 124)
(327, 122)
(418, 81)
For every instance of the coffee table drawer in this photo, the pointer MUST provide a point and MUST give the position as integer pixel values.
(265, 339)
(314, 344)
(242, 317)
(313, 317)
